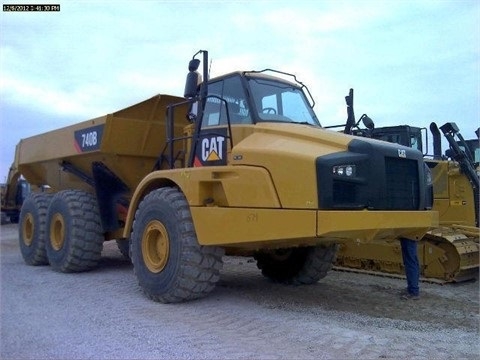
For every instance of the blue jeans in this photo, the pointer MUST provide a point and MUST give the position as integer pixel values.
(412, 267)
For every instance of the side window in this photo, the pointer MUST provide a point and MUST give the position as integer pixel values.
(415, 143)
(230, 90)
(213, 106)
(211, 116)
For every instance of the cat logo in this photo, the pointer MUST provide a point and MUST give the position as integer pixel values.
(211, 149)
(402, 153)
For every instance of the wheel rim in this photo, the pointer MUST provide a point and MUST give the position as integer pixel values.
(155, 246)
(28, 227)
(281, 254)
(57, 232)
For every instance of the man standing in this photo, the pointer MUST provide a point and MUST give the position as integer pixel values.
(412, 269)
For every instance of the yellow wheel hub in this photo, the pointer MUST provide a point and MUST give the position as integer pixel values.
(28, 227)
(155, 246)
(281, 254)
(57, 232)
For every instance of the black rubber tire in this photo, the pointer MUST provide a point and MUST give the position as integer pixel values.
(297, 266)
(75, 238)
(186, 271)
(32, 229)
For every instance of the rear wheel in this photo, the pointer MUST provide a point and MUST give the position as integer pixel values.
(32, 229)
(302, 265)
(75, 233)
(169, 263)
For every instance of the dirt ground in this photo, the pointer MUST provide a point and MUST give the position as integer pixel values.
(102, 314)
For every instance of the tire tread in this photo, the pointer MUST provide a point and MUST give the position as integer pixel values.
(83, 248)
(200, 265)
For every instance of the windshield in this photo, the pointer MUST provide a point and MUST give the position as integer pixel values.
(281, 102)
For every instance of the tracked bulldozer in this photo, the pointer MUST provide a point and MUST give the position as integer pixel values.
(449, 253)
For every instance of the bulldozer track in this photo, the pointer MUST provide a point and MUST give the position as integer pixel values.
(387, 275)
(446, 254)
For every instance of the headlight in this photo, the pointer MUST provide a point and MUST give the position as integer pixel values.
(344, 170)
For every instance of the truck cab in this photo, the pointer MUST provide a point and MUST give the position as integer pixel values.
(406, 135)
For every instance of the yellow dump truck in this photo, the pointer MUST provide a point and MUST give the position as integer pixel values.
(239, 165)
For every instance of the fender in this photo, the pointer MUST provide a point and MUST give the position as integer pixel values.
(220, 186)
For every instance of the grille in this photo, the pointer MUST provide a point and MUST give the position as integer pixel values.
(344, 194)
(402, 184)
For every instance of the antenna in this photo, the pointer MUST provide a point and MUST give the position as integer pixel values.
(209, 69)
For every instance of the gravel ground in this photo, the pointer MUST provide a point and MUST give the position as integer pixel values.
(102, 314)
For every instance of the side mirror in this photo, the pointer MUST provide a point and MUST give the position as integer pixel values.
(191, 85)
(367, 122)
(193, 79)
(193, 65)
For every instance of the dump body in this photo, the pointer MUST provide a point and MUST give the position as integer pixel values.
(128, 142)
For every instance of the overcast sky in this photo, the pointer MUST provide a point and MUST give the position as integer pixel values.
(409, 62)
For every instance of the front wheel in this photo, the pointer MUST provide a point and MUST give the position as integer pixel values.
(297, 266)
(169, 263)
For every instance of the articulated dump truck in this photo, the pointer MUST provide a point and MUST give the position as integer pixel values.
(238, 166)
(450, 252)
